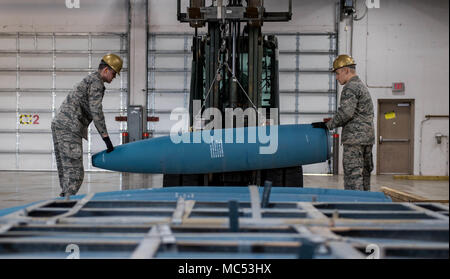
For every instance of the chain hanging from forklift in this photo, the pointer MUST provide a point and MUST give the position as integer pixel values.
(218, 77)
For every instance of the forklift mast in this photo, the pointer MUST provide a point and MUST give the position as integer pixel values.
(234, 66)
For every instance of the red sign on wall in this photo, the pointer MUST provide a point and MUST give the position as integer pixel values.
(398, 87)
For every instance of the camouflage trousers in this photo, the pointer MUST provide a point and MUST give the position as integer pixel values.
(69, 159)
(358, 164)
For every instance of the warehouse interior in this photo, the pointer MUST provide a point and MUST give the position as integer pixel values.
(401, 49)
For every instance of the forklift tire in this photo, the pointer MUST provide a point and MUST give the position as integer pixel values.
(171, 180)
(293, 177)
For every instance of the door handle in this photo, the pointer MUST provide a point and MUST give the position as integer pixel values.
(392, 140)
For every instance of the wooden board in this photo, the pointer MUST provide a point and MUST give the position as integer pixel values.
(399, 196)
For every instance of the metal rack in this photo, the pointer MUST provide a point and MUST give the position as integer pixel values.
(195, 222)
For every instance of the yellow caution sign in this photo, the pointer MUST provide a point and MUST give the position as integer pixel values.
(26, 119)
(389, 115)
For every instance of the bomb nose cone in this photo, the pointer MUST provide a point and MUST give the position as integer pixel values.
(98, 160)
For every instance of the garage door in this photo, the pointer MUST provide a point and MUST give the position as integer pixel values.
(37, 71)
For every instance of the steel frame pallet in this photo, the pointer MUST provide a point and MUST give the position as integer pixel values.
(179, 223)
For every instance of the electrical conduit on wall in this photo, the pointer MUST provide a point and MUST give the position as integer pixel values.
(427, 118)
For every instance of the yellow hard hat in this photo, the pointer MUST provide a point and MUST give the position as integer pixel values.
(114, 61)
(343, 60)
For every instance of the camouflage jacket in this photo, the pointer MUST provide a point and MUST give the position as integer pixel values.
(355, 114)
(82, 105)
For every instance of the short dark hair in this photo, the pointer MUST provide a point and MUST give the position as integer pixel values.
(103, 65)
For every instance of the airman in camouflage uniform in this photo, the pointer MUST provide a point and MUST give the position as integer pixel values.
(82, 106)
(355, 116)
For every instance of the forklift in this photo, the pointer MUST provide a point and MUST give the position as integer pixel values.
(234, 66)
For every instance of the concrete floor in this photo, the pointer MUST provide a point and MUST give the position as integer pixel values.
(19, 188)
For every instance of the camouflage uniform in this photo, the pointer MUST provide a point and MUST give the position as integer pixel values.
(70, 125)
(355, 116)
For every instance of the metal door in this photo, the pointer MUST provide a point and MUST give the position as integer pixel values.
(395, 137)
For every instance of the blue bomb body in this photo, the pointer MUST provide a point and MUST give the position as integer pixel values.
(227, 150)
